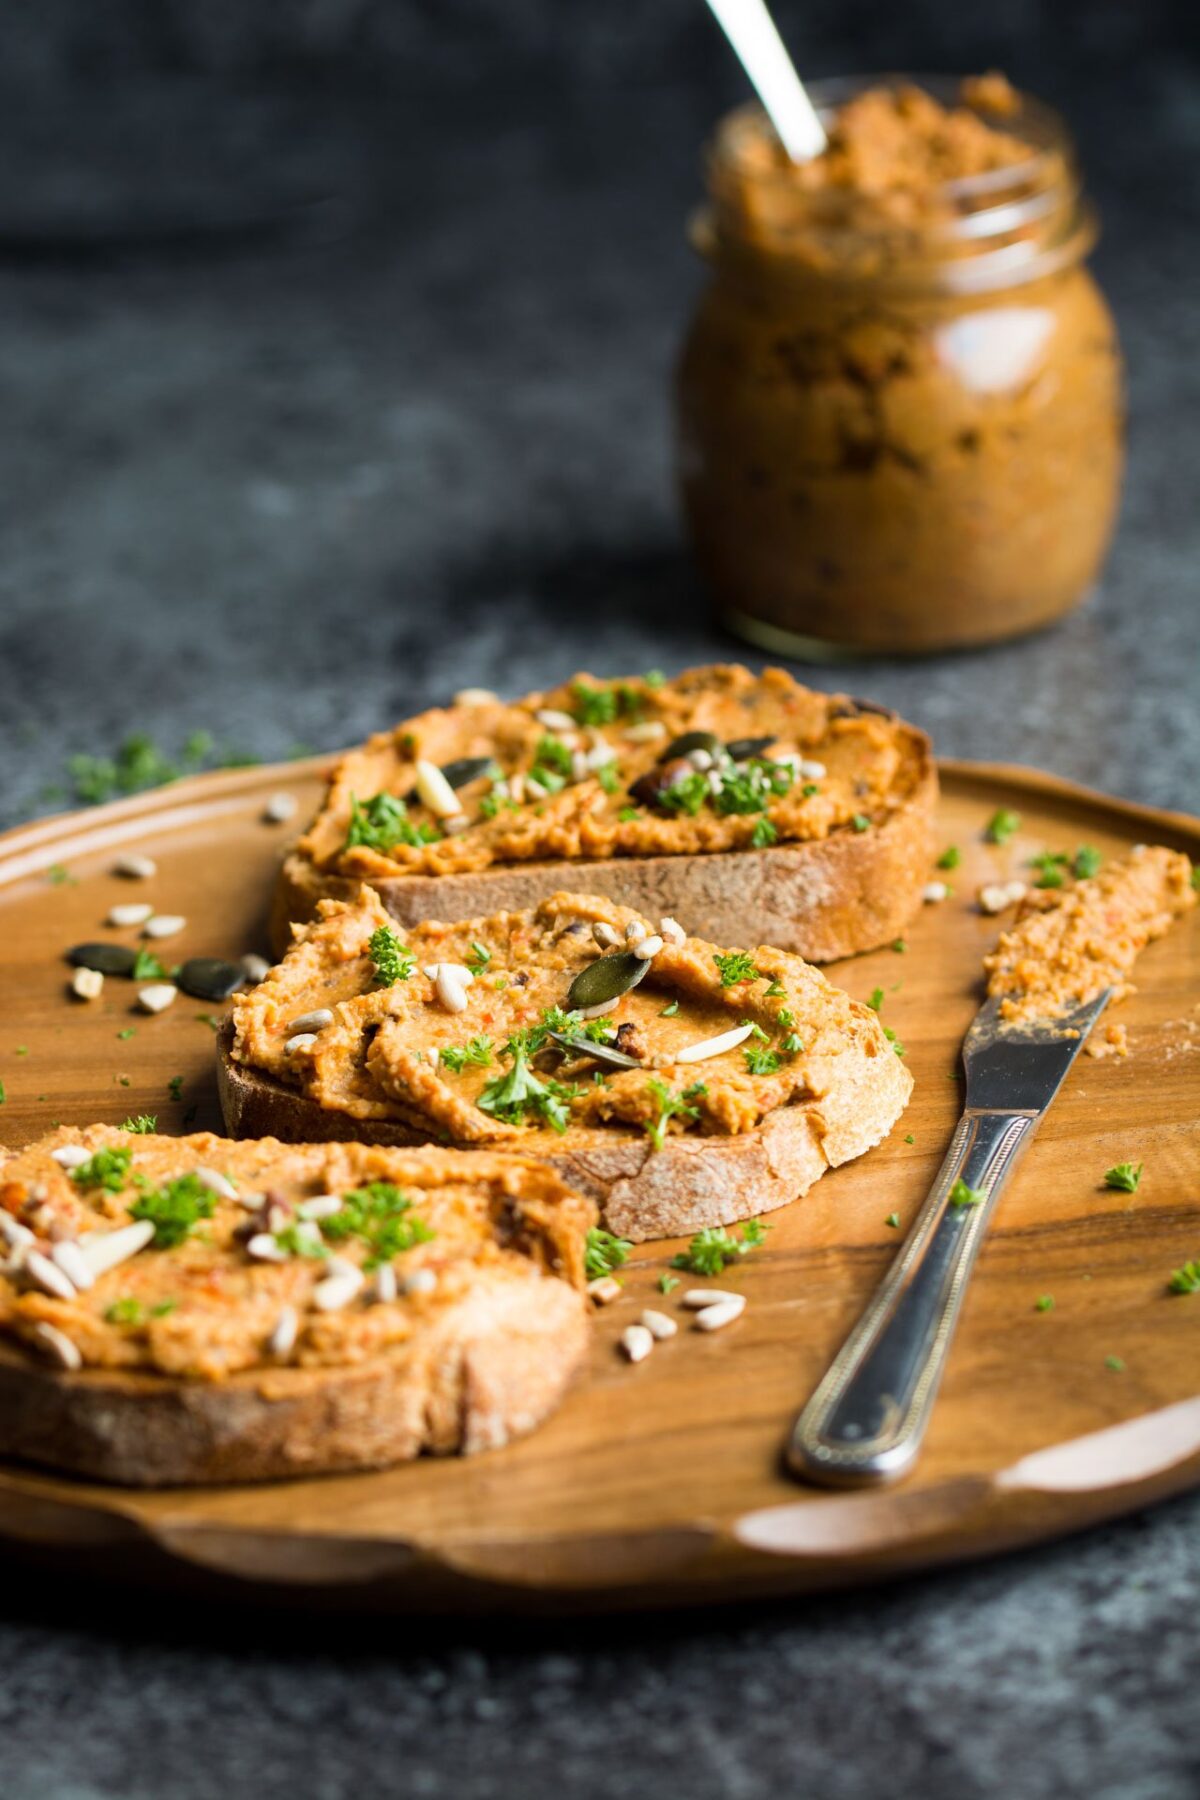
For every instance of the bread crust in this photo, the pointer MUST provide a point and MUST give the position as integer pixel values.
(830, 898)
(692, 1182)
(490, 1369)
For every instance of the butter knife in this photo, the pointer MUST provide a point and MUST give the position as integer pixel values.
(866, 1420)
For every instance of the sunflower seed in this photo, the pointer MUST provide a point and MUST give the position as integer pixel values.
(810, 771)
(103, 1250)
(263, 1248)
(67, 1156)
(321, 1206)
(646, 733)
(255, 968)
(435, 791)
(659, 1324)
(280, 808)
(701, 759)
(604, 935)
(554, 720)
(936, 891)
(59, 1345)
(216, 1183)
(475, 697)
(700, 1297)
(137, 868)
(635, 931)
(672, 931)
(385, 1283)
(605, 980)
(210, 977)
(421, 1281)
(66, 1255)
(16, 1235)
(599, 757)
(714, 1046)
(450, 990)
(48, 1276)
(164, 925)
(337, 1290)
(157, 997)
(87, 984)
(722, 1312)
(604, 1289)
(303, 1040)
(534, 789)
(283, 1335)
(648, 948)
(135, 913)
(637, 1342)
(312, 1021)
(108, 959)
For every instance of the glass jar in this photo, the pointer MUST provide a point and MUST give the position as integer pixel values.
(898, 436)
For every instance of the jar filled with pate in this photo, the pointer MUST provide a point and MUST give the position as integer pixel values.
(899, 405)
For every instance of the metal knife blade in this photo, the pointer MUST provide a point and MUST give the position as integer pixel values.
(867, 1419)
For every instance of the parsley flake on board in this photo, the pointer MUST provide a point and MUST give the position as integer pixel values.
(736, 967)
(1003, 824)
(143, 1124)
(893, 1219)
(381, 1217)
(672, 1106)
(669, 1010)
(712, 1250)
(1044, 1303)
(603, 1253)
(667, 1283)
(149, 967)
(1115, 1363)
(107, 1169)
(1050, 865)
(861, 822)
(950, 857)
(1186, 1280)
(175, 1087)
(174, 1209)
(393, 960)
(1124, 1176)
(1086, 862)
(962, 1195)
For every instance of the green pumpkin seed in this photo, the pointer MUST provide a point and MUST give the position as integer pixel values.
(742, 749)
(601, 1053)
(208, 978)
(106, 959)
(606, 979)
(692, 740)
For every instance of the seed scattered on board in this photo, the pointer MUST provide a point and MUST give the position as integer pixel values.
(157, 997)
(722, 1312)
(637, 1342)
(280, 808)
(87, 984)
(255, 968)
(163, 925)
(133, 912)
(135, 867)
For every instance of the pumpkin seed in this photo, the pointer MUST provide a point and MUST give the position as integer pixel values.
(601, 1053)
(606, 979)
(692, 740)
(209, 978)
(742, 749)
(107, 959)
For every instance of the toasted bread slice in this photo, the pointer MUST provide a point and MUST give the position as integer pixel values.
(810, 812)
(218, 1352)
(681, 1138)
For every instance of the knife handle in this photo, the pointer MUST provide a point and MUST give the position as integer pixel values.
(865, 1422)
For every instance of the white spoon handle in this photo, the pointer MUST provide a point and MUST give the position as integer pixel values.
(751, 30)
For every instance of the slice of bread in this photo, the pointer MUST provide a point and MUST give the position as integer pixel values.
(175, 1365)
(829, 860)
(812, 1083)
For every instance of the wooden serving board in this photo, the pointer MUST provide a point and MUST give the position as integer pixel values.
(662, 1484)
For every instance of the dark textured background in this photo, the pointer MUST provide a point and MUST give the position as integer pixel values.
(334, 351)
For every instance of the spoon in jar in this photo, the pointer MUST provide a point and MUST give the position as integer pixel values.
(751, 30)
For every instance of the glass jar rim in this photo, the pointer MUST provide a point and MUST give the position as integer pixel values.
(1040, 194)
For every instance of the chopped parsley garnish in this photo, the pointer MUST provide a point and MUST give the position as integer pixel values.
(129, 1031)
(792, 1044)
(899, 946)
(751, 788)
(58, 875)
(627, 815)
(107, 1169)
(809, 789)
(175, 1087)
(776, 991)
(861, 822)
(212, 1020)
(669, 1010)
(962, 1195)
(393, 960)
(593, 706)
(672, 1106)
(603, 1253)
(1086, 862)
(144, 1123)
(1044, 1303)
(609, 777)
(552, 764)
(764, 833)
(909, 1139)
(1002, 825)
(654, 678)
(666, 1283)
(174, 1209)
(382, 822)
(476, 1055)
(129, 1311)
(1115, 1363)
(1050, 865)
(713, 1249)
(760, 1061)
(514, 1096)
(893, 1219)
(950, 857)
(876, 1000)
(737, 966)
(687, 795)
(147, 966)
(1125, 1176)
(1187, 1279)
(893, 1040)
(303, 1238)
(381, 1217)
(3, 1093)
(479, 958)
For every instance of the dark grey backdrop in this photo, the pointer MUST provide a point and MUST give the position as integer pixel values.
(334, 343)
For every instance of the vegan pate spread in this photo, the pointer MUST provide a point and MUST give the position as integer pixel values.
(575, 1017)
(715, 760)
(200, 1258)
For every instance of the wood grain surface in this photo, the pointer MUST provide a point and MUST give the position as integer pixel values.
(662, 1484)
